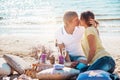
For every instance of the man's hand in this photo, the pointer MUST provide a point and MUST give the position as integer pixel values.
(73, 65)
(83, 61)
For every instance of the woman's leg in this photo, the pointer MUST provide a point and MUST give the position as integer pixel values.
(105, 63)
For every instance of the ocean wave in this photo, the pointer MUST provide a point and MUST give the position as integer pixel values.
(114, 31)
(28, 21)
(49, 19)
(108, 14)
(106, 19)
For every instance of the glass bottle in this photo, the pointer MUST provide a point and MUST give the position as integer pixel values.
(64, 52)
(61, 58)
(43, 57)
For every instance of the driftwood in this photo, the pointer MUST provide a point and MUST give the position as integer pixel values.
(32, 72)
(37, 68)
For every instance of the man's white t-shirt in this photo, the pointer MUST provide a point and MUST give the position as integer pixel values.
(72, 42)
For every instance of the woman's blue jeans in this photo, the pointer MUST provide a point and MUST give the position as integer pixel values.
(105, 63)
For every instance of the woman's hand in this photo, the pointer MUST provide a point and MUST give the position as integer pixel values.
(94, 22)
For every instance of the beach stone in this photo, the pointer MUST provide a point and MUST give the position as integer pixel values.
(24, 77)
(5, 78)
(17, 63)
(14, 76)
(52, 74)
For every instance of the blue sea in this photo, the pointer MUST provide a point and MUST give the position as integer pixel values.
(45, 16)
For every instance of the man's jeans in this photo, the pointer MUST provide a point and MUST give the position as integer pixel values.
(78, 58)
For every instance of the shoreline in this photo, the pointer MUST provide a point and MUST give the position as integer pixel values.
(22, 43)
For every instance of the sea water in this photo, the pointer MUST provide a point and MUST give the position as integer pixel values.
(44, 17)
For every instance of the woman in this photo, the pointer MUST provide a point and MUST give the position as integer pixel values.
(96, 55)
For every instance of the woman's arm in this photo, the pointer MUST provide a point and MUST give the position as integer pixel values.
(92, 46)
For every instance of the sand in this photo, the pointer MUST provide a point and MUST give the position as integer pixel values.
(22, 45)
